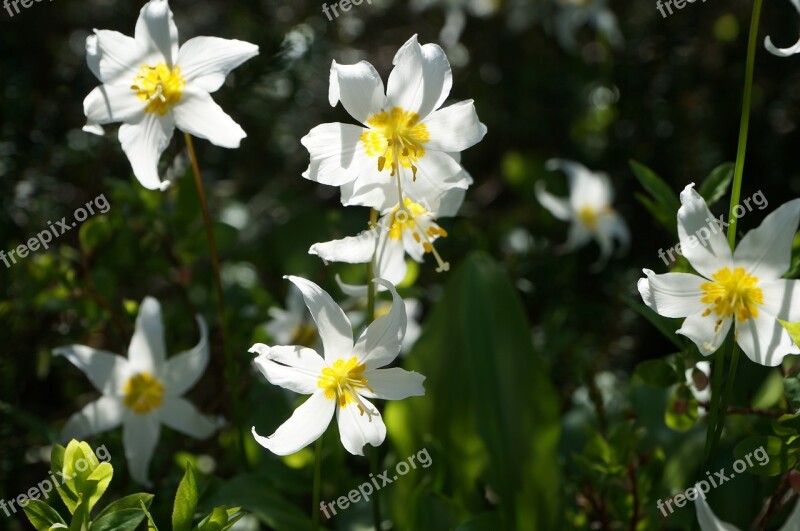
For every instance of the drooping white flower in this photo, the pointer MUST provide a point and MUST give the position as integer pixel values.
(406, 143)
(744, 287)
(574, 14)
(697, 379)
(783, 52)
(709, 522)
(456, 15)
(588, 209)
(152, 86)
(343, 380)
(141, 392)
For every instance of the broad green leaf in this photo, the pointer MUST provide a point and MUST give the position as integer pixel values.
(84, 474)
(781, 456)
(98, 482)
(128, 502)
(220, 519)
(658, 373)
(793, 329)
(68, 496)
(41, 515)
(185, 502)
(717, 183)
(121, 520)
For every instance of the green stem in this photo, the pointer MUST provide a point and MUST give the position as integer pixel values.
(373, 451)
(317, 485)
(231, 369)
(376, 499)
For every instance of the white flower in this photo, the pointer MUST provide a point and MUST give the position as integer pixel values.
(291, 326)
(343, 380)
(703, 376)
(744, 287)
(588, 209)
(141, 392)
(357, 317)
(783, 52)
(152, 87)
(406, 145)
(574, 14)
(709, 522)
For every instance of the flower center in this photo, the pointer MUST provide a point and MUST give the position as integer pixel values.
(160, 87)
(589, 217)
(143, 393)
(414, 219)
(733, 293)
(341, 381)
(396, 138)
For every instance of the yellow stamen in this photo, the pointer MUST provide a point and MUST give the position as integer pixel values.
(413, 217)
(143, 393)
(341, 381)
(589, 216)
(160, 87)
(396, 138)
(733, 293)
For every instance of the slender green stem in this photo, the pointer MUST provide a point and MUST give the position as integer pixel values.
(315, 505)
(231, 369)
(376, 499)
(373, 451)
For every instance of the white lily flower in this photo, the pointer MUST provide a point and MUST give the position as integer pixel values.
(709, 522)
(141, 392)
(588, 209)
(341, 382)
(783, 52)
(574, 14)
(406, 143)
(152, 86)
(358, 317)
(744, 287)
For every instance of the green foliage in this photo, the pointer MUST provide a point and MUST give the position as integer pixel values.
(663, 203)
(185, 502)
(717, 184)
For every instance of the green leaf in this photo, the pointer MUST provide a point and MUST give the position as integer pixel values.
(68, 496)
(220, 519)
(793, 329)
(681, 412)
(95, 232)
(666, 201)
(41, 515)
(121, 520)
(717, 183)
(658, 373)
(185, 502)
(84, 474)
(781, 456)
(791, 386)
(151, 525)
(664, 218)
(128, 502)
(80, 518)
(665, 325)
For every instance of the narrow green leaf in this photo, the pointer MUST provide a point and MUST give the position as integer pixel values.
(656, 187)
(151, 525)
(122, 520)
(41, 515)
(185, 502)
(68, 496)
(128, 502)
(717, 183)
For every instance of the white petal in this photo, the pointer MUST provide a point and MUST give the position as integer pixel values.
(334, 329)
(357, 429)
(558, 207)
(156, 31)
(765, 340)
(449, 204)
(360, 89)
(97, 417)
(782, 299)
(793, 522)
(199, 115)
(108, 104)
(454, 128)
(206, 61)
(781, 52)
(421, 79)
(380, 343)
(306, 425)
(372, 188)
(766, 252)
(337, 153)
(390, 261)
(351, 250)
(143, 143)
(438, 173)
(672, 294)
(702, 240)
(393, 384)
(577, 236)
(351, 290)
(708, 332)
(586, 188)
(147, 351)
(707, 519)
(140, 435)
(291, 367)
(180, 415)
(107, 372)
(611, 227)
(114, 58)
(183, 370)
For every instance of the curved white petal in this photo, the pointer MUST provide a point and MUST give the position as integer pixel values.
(390, 263)
(337, 154)
(206, 61)
(372, 188)
(611, 227)
(357, 429)
(109, 103)
(180, 415)
(360, 89)
(144, 142)
(766, 252)
(781, 52)
(380, 343)
(454, 128)
(421, 79)
(140, 435)
(351, 250)
(291, 367)
(351, 290)
(306, 425)
(586, 188)
(334, 328)
(99, 416)
(558, 207)
(438, 172)
(706, 331)
(707, 519)
(702, 241)
(183, 370)
(782, 299)
(199, 115)
(672, 294)
(147, 351)
(156, 31)
(449, 203)
(393, 384)
(114, 58)
(107, 372)
(765, 340)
